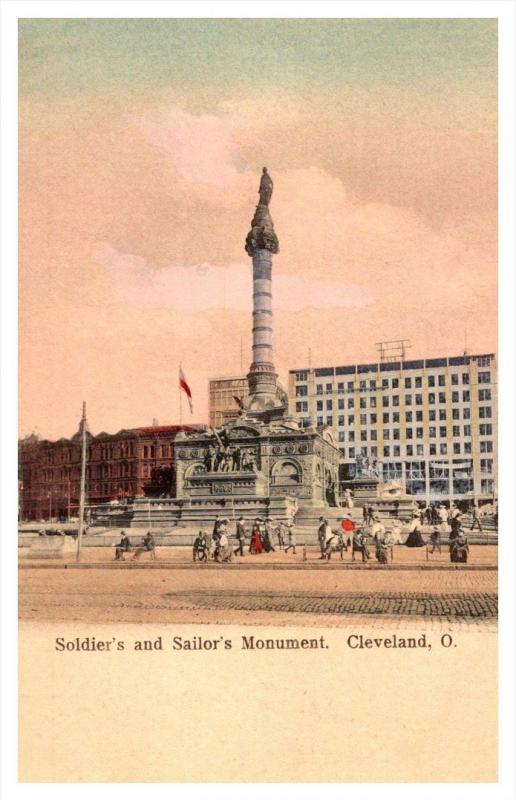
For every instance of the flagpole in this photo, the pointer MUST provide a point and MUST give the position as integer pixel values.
(180, 397)
(83, 482)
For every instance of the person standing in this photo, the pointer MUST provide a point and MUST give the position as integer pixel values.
(256, 544)
(329, 537)
(291, 532)
(280, 532)
(267, 537)
(241, 531)
(321, 535)
(476, 519)
(415, 538)
(123, 547)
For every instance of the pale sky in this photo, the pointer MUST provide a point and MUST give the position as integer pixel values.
(141, 147)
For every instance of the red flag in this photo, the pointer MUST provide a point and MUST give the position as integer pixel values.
(186, 389)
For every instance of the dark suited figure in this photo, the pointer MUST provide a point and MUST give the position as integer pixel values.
(123, 547)
(241, 531)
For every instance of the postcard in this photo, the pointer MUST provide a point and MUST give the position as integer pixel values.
(258, 399)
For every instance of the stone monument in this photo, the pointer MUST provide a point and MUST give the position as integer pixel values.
(261, 464)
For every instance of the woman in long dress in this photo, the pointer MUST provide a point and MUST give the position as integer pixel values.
(256, 545)
(415, 538)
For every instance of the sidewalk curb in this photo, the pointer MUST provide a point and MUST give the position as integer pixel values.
(287, 567)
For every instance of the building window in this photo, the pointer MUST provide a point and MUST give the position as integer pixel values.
(329, 420)
(351, 453)
(395, 400)
(455, 413)
(387, 434)
(455, 397)
(329, 405)
(420, 450)
(395, 383)
(442, 397)
(432, 432)
(372, 419)
(363, 386)
(465, 378)
(419, 383)
(301, 376)
(350, 386)
(486, 446)
(363, 419)
(484, 361)
(408, 399)
(373, 436)
(341, 419)
(410, 450)
(363, 436)
(466, 413)
(386, 451)
(385, 401)
(467, 430)
(319, 405)
(363, 402)
(341, 404)
(467, 448)
(351, 419)
(395, 416)
(486, 429)
(433, 450)
(486, 465)
(301, 391)
(431, 380)
(145, 451)
(442, 380)
(385, 419)
(385, 383)
(408, 383)
(484, 412)
(431, 398)
(431, 415)
(484, 377)
(465, 397)
(319, 388)
(396, 433)
(372, 402)
(443, 449)
(329, 388)
(455, 379)
(396, 450)
(351, 402)
(341, 436)
(456, 430)
(409, 433)
(340, 388)
(372, 385)
(442, 432)
(419, 399)
(419, 433)
(408, 416)
(351, 436)
(487, 486)
(442, 414)
(456, 448)
(484, 394)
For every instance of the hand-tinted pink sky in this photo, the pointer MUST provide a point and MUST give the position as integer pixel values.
(141, 146)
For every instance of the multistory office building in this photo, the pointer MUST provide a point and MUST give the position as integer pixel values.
(222, 404)
(431, 423)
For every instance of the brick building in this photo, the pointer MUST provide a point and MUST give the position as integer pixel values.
(130, 463)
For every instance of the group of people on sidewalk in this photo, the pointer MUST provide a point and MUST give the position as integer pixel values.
(263, 535)
(147, 544)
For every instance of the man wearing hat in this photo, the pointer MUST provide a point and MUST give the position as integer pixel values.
(321, 535)
(291, 533)
(240, 535)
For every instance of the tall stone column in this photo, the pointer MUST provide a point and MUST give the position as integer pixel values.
(261, 244)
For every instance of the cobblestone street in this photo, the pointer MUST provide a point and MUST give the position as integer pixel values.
(257, 596)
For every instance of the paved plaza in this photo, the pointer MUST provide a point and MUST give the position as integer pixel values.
(268, 589)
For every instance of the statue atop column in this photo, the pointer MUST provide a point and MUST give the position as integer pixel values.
(262, 235)
(266, 187)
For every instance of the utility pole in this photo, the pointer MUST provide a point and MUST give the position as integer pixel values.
(83, 481)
